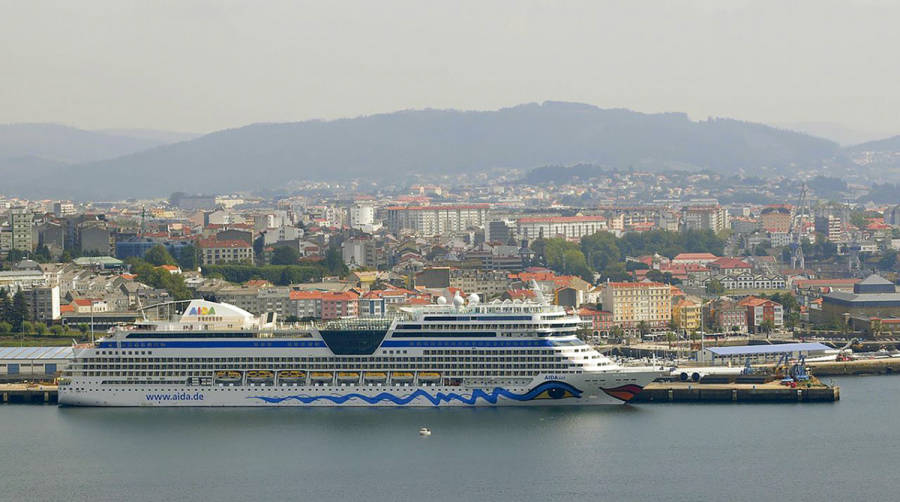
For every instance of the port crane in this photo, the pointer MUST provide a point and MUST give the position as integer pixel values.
(796, 227)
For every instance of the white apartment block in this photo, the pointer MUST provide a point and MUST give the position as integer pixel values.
(568, 227)
(429, 221)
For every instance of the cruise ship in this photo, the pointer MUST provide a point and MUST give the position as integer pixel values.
(457, 352)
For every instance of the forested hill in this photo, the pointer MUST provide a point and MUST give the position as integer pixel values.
(393, 147)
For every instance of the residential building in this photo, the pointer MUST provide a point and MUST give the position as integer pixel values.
(725, 314)
(747, 281)
(429, 221)
(498, 231)
(360, 252)
(776, 218)
(567, 227)
(307, 304)
(713, 218)
(63, 208)
(727, 265)
(687, 314)
(213, 251)
(89, 306)
(831, 227)
(362, 216)
(43, 302)
(94, 236)
(694, 258)
(762, 311)
(336, 305)
(599, 321)
(372, 304)
(21, 223)
(632, 303)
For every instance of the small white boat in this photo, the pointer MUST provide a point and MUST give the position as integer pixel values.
(424, 431)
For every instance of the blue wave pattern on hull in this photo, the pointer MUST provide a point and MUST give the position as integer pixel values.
(554, 390)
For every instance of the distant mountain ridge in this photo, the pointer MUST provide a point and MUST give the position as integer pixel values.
(31, 155)
(61, 143)
(891, 144)
(392, 147)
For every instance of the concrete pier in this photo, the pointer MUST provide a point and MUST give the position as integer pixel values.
(28, 393)
(882, 366)
(687, 392)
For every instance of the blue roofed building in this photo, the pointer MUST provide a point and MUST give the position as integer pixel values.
(738, 354)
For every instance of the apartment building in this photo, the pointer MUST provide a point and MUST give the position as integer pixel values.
(713, 218)
(567, 227)
(761, 311)
(213, 251)
(429, 221)
(634, 302)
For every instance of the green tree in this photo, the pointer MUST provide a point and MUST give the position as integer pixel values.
(158, 278)
(40, 328)
(42, 254)
(5, 307)
(602, 250)
(285, 255)
(888, 260)
(27, 327)
(19, 312)
(565, 257)
(57, 330)
(188, 257)
(334, 262)
(5, 327)
(715, 288)
(643, 328)
(615, 272)
(158, 255)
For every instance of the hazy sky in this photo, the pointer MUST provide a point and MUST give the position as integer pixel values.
(204, 65)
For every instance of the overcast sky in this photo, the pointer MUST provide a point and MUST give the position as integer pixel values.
(204, 65)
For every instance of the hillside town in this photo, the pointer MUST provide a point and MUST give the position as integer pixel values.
(633, 254)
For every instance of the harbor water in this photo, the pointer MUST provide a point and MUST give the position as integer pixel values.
(672, 452)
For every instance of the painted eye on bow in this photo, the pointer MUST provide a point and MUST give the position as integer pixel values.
(554, 393)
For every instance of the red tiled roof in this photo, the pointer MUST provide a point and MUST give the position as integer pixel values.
(753, 301)
(730, 263)
(694, 256)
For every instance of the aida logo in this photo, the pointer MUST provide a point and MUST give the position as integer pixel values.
(202, 311)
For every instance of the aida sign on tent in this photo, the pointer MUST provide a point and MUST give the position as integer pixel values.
(202, 311)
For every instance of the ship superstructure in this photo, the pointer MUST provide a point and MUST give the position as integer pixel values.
(454, 352)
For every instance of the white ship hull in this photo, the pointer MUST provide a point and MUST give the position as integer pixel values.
(546, 390)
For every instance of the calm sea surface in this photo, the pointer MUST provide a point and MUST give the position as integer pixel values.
(848, 450)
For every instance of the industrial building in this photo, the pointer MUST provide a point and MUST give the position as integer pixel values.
(33, 363)
(739, 354)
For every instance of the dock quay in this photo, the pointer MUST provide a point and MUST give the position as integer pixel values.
(879, 366)
(28, 393)
(772, 392)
